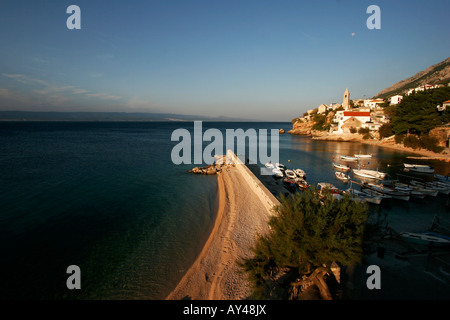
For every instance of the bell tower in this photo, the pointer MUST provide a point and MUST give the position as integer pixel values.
(346, 101)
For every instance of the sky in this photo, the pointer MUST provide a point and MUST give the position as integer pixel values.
(268, 60)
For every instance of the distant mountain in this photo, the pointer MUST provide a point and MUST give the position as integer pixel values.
(105, 116)
(436, 74)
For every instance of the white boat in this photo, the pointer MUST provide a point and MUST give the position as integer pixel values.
(342, 167)
(421, 168)
(425, 191)
(363, 155)
(277, 173)
(435, 185)
(269, 165)
(388, 191)
(300, 173)
(424, 238)
(370, 174)
(342, 176)
(362, 196)
(349, 158)
(290, 174)
(374, 193)
(325, 187)
(280, 166)
(412, 192)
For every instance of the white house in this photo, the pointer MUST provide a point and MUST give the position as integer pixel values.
(348, 119)
(396, 99)
(323, 108)
(372, 103)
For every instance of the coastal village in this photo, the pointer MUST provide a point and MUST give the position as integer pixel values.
(358, 119)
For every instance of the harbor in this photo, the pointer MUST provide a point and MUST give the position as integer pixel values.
(410, 227)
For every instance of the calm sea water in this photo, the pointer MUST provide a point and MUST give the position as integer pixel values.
(107, 197)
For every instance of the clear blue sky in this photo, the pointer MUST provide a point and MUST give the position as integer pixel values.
(262, 59)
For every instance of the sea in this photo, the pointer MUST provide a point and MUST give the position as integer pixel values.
(107, 197)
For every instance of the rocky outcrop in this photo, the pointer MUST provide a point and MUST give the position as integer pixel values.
(301, 127)
(214, 168)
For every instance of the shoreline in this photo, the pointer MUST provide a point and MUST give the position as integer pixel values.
(422, 154)
(240, 218)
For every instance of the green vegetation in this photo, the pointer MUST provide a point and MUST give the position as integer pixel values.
(415, 116)
(365, 132)
(306, 234)
(386, 131)
(321, 122)
(417, 112)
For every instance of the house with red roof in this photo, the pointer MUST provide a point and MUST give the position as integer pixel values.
(346, 120)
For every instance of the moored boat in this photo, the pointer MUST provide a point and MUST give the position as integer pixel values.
(325, 187)
(300, 173)
(362, 196)
(349, 158)
(425, 191)
(421, 168)
(277, 173)
(370, 174)
(435, 185)
(289, 184)
(424, 238)
(397, 194)
(342, 176)
(290, 174)
(363, 155)
(269, 165)
(302, 183)
(341, 167)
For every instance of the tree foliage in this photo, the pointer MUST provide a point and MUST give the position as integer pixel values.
(417, 112)
(307, 233)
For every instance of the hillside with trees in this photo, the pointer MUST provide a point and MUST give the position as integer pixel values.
(435, 74)
(416, 116)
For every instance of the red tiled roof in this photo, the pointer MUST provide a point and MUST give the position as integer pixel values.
(356, 114)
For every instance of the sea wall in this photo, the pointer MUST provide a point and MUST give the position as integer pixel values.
(267, 198)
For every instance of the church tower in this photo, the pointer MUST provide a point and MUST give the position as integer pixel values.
(346, 102)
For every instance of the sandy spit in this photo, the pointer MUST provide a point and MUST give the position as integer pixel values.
(241, 217)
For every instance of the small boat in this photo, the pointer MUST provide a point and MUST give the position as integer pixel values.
(349, 158)
(374, 193)
(342, 176)
(424, 238)
(289, 184)
(363, 197)
(421, 168)
(269, 165)
(341, 167)
(370, 174)
(442, 178)
(277, 173)
(412, 192)
(425, 191)
(435, 185)
(301, 183)
(290, 174)
(397, 194)
(438, 235)
(363, 155)
(280, 166)
(325, 187)
(300, 173)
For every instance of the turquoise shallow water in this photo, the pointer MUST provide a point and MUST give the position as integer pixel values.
(107, 197)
